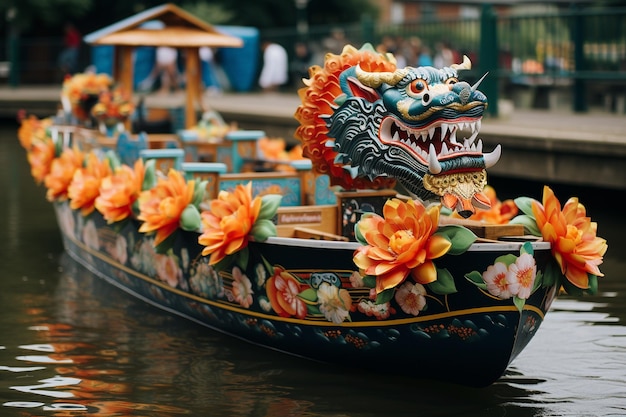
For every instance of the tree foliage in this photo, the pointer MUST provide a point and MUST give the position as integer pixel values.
(38, 17)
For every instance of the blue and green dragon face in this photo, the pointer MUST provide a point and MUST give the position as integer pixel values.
(417, 125)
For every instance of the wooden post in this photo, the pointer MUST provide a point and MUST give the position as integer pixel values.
(192, 72)
(123, 74)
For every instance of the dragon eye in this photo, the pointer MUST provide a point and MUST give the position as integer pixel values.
(417, 86)
(451, 81)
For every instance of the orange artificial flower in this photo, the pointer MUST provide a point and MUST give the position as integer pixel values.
(228, 222)
(119, 191)
(572, 236)
(113, 106)
(401, 243)
(32, 129)
(40, 156)
(62, 171)
(85, 186)
(161, 207)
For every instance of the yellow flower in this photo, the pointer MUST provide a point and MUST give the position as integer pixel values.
(401, 243)
(572, 236)
(118, 192)
(161, 207)
(228, 222)
(62, 172)
(85, 185)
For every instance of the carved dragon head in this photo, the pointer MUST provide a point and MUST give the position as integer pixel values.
(418, 126)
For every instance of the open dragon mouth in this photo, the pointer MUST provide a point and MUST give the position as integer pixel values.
(438, 141)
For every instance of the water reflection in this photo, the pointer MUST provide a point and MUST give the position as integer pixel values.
(71, 344)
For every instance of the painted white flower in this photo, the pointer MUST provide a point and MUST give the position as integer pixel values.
(356, 279)
(411, 297)
(119, 249)
(332, 303)
(167, 269)
(142, 259)
(242, 288)
(497, 283)
(265, 304)
(90, 235)
(521, 275)
(66, 220)
(261, 275)
(370, 308)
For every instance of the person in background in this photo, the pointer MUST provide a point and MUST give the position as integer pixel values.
(275, 70)
(166, 69)
(68, 58)
(299, 66)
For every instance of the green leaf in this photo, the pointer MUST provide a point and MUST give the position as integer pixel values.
(529, 223)
(552, 274)
(444, 284)
(167, 244)
(519, 302)
(524, 204)
(507, 259)
(593, 284)
(190, 218)
(527, 247)
(570, 288)
(224, 263)
(369, 281)
(199, 191)
(269, 206)
(460, 237)
(313, 310)
(114, 160)
(538, 281)
(309, 295)
(385, 296)
(149, 177)
(262, 229)
(358, 235)
(242, 258)
(476, 278)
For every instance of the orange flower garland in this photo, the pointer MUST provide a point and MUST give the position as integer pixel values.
(228, 222)
(120, 191)
(161, 208)
(400, 244)
(318, 98)
(85, 185)
(572, 235)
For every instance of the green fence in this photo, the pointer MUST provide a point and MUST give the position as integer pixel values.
(574, 57)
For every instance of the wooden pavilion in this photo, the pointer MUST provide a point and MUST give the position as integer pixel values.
(181, 30)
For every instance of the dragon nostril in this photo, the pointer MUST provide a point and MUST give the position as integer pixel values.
(464, 95)
(426, 98)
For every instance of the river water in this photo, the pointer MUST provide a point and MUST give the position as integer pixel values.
(72, 345)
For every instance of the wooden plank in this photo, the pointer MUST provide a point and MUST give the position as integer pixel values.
(320, 218)
(485, 230)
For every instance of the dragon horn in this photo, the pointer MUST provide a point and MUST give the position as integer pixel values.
(467, 64)
(375, 79)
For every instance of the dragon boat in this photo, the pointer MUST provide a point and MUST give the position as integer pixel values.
(383, 248)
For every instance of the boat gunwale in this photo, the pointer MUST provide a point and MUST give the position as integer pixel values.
(332, 244)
